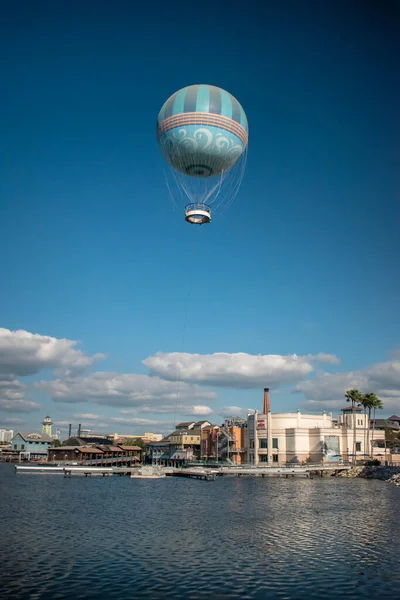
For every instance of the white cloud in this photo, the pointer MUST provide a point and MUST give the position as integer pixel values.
(24, 353)
(384, 374)
(85, 425)
(137, 421)
(11, 421)
(235, 411)
(181, 409)
(89, 417)
(322, 357)
(18, 406)
(329, 389)
(197, 410)
(13, 397)
(234, 370)
(327, 386)
(116, 389)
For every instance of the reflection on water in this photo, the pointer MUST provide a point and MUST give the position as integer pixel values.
(120, 538)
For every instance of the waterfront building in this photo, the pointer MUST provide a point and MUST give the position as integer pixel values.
(295, 438)
(87, 439)
(193, 441)
(392, 423)
(31, 445)
(179, 447)
(232, 440)
(158, 453)
(226, 443)
(395, 420)
(183, 440)
(6, 435)
(185, 426)
(101, 454)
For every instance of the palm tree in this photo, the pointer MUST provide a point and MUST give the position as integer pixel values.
(368, 403)
(355, 397)
(364, 403)
(376, 403)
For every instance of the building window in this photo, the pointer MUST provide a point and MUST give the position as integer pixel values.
(275, 443)
(15, 446)
(263, 443)
(22, 446)
(274, 458)
(358, 446)
(263, 458)
(251, 444)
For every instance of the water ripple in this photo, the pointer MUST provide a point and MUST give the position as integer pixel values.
(233, 538)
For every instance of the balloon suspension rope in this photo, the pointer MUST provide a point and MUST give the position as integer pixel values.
(185, 320)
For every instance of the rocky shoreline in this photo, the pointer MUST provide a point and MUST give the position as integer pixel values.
(390, 474)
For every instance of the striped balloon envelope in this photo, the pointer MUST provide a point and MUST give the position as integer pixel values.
(202, 131)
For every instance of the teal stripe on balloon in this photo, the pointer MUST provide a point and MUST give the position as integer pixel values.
(243, 119)
(226, 104)
(191, 98)
(169, 105)
(161, 114)
(235, 109)
(179, 102)
(203, 99)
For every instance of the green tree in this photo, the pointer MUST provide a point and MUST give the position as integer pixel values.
(135, 442)
(355, 397)
(55, 444)
(364, 404)
(368, 403)
(377, 404)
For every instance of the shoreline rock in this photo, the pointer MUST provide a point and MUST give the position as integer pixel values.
(389, 474)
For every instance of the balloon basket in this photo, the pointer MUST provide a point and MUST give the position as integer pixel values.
(197, 214)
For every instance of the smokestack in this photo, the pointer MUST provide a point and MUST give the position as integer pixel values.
(69, 430)
(79, 430)
(267, 402)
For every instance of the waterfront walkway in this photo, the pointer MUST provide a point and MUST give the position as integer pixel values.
(208, 474)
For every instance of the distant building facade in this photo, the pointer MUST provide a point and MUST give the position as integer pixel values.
(31, 445)
(6, 435)
(226, 443)
(295, 438)
(101, 455)
(179, 447)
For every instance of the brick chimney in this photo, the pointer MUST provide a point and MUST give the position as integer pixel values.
(267, 403)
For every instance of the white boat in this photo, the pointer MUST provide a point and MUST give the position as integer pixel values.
(148, 473)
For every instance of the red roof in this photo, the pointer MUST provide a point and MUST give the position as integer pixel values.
(85, 449)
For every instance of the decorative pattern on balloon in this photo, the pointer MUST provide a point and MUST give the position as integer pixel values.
(201, 151)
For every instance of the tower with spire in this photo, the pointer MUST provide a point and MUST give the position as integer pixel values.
(46, 425)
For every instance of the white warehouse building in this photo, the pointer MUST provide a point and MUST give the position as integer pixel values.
(296, 438)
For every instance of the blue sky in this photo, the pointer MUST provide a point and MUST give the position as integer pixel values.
(304, 262)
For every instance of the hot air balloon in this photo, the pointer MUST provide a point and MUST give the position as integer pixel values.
(202, 132)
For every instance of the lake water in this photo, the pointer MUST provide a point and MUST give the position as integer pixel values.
(117, 538)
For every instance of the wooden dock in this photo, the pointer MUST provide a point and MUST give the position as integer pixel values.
(202, 473)
(88, 471)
